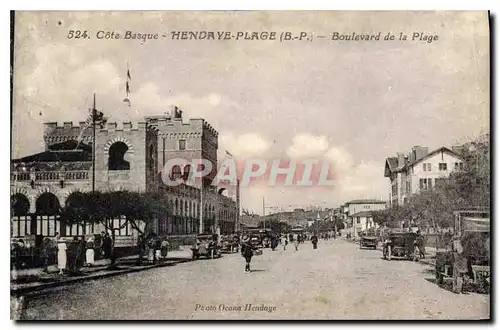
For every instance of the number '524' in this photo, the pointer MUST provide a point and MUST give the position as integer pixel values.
(77, 34)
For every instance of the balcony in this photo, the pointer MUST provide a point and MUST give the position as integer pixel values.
(49, 176)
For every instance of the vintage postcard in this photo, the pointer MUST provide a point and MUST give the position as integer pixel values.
(250, 165)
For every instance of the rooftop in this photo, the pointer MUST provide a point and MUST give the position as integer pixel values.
(365, 201)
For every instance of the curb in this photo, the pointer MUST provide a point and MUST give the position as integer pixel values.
(34, 289)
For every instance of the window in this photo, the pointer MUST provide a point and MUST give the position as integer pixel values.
(456, 166)
(461, 166)
(427, 167)
(367, 206)
(358, 220)
(425, 184)
(443, 167)
(182, 144)
(116, 159)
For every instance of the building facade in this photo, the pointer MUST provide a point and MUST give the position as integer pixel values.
(419, 170)
(359, 214)
(128, 157)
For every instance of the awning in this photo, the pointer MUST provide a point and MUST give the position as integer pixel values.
(476, 224)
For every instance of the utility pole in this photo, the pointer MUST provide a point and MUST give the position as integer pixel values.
(94, 113)
(201, 208)
(264, 211)
(237, 229)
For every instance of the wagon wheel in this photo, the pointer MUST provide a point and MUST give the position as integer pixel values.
(389, 252)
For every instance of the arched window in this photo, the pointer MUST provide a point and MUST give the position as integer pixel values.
(116, 160)
(187, 170)
(47, 204)
(176, 172)
(20, 204)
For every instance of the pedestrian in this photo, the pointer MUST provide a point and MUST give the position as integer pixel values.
(45, 250)
(107, 245)
(62, 256)
(141, 246)
(296, 242)
(284, 241)
(247, 251)
(75, 255)
(290, 237)
(157, 248)
(314, 241)
(164, 249)
(89, 253)
(151, 249)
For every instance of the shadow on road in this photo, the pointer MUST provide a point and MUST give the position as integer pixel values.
(257, 270)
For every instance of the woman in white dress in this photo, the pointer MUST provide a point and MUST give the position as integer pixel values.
(89, 253)
(61, 256)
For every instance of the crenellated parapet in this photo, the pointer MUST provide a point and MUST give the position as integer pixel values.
(126, 126)
(210, 129)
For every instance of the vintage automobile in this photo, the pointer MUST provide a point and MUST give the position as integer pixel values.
(467, 261)
(23, 252)
(230, 244)
(368, 239)
(206, 246)
(399, 243)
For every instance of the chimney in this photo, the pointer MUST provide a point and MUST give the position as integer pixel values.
(419, 152)
(401, 159)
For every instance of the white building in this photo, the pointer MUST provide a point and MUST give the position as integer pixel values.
(363, 221)
(359, 214)
(420, 170)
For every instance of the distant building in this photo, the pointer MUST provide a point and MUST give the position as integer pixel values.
(359, 213)
(418, 171)
(363, 221)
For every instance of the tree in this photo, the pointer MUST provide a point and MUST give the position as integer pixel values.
(276, 225)
(137, 208)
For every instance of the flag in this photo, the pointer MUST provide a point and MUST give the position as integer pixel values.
(127, 86)
(128, 75)
(99, 119)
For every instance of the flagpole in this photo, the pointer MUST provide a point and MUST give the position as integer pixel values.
(93, 145)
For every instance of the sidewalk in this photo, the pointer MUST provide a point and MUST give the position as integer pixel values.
(30, 280)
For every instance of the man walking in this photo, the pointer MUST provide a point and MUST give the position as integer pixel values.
(247, 252)
(314, 241)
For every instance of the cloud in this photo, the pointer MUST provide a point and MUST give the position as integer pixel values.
(307, 145)
(246, 145)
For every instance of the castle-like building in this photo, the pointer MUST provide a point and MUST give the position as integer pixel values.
(127, 156)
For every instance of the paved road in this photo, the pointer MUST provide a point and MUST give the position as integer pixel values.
(337, 281)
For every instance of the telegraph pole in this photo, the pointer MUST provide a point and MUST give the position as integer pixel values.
(94, 112)
(264, 211)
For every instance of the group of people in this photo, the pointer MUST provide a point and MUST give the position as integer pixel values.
(248, 249)
(79, 252)
(152, 246)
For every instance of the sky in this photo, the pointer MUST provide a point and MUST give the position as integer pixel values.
(350, 103)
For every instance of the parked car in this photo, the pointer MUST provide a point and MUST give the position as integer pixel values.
(206, 246)
(401, 244)
(368, 240)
